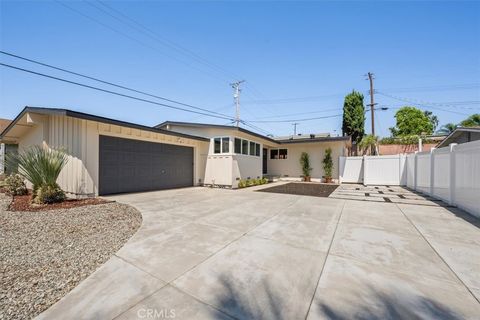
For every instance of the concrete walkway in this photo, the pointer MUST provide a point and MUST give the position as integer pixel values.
(221, 254)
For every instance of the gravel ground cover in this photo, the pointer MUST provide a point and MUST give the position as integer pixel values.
(45, 254)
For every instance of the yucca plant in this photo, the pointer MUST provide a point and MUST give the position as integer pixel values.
(41, 167)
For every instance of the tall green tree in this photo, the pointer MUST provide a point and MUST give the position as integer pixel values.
(354, 116)
(411, 121)
(433, 119)
(472, 121)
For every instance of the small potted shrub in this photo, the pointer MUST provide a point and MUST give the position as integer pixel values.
(306, 169)
(328, 165)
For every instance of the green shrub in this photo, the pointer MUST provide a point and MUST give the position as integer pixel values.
(15, 185)
(41, 167)
(49, 194)
(305, 163)
(264, 180)
(328, 163)
(241, 184)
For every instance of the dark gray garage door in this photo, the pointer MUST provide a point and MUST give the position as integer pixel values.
(127, 165)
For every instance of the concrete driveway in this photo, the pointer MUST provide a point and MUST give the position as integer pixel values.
(221, 254)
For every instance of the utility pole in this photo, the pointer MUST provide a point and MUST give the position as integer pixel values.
(372, 102)
(236, 98)
(295, 128)
(372, 107)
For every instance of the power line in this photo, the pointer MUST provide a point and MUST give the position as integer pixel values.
(419, 103)
(111, 92)
(154, 35)
(436, 88)
(109, 83)
(255, 127)
(295, 120)
(135, 39)
(299, 113)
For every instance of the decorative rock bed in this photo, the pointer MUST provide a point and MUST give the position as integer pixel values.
(45, 254)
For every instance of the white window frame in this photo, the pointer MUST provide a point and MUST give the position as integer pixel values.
(221, 144)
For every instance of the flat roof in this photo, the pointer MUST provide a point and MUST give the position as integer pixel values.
(220, 126)
(304, 138)
(86, 116)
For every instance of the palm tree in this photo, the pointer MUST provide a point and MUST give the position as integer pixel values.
(447, 128)
(368, 142)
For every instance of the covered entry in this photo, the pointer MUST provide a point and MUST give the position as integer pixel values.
(127, 165)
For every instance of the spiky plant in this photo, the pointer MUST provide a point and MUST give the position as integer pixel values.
(40, 166)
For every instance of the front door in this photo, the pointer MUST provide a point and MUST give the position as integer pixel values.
(265, 154)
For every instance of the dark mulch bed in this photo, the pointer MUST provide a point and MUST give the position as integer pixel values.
(304, 188)
(24, 203)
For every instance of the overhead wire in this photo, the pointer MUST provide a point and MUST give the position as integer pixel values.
(112, 92)
(109, 83)
(136, 40)
(419, 103)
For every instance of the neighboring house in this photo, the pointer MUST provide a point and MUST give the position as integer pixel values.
(461, 135)
(3, 124)
(107, 156)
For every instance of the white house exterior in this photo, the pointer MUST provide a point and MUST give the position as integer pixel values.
(109, 156)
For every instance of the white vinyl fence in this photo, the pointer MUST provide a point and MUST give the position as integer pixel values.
(451, 174)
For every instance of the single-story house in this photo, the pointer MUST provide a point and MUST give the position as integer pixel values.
(461, 135)
(108, 156)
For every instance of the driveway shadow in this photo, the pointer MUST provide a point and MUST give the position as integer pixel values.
(381, 306)
(370, 305)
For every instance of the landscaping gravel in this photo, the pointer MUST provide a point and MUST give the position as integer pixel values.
(45, 254)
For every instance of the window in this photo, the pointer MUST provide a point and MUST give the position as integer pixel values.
(238, 145)
(274, 154)
(216, 145)
(225, 145)
(278, 154)
(221, 145)
(244, 147)
(247, 147)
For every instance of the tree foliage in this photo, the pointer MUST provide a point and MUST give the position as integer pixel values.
(368, 142)
(354, 116)
(328, 163)
(447, 128)
(411, 121)
(472, 121)
(305, 163)
(433, 119)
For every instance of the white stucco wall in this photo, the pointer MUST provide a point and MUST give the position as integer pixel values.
(291, 166)
(227, 169)
(80, 139)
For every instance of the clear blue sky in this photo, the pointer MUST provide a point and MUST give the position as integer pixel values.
(426, 51)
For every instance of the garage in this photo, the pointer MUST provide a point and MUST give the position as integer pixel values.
(127, 165)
